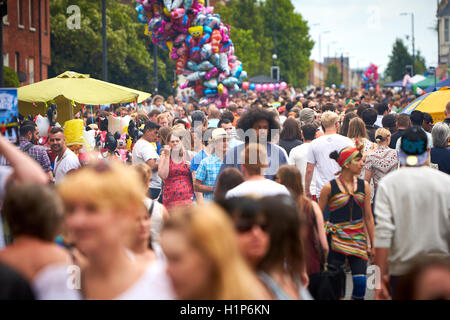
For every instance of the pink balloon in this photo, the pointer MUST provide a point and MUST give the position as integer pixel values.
(245, 85)
(258, 87)
(271, 87)
(264, 87)
(283, 85)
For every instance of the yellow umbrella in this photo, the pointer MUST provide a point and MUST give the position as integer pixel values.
(433, 103)
(73, 89)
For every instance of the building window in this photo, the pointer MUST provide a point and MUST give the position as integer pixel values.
(6, 59)
(446, 31)
(31, 15)
(17, 62)
(20, 13)
(5, 20)
(31, 70)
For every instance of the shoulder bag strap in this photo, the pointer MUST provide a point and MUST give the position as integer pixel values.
(28, 147)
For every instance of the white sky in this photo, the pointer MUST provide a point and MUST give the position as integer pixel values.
(365, 30)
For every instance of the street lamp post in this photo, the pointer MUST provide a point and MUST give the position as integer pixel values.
(320, 44)
(413, 44)
(104, 59)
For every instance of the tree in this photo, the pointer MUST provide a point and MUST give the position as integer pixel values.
(419, 65)
(400, 58)
(11, 80)
(333, 76)
(129, 60)
(252, 35)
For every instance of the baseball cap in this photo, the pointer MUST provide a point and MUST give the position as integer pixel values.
(413, 148)
(219, 133)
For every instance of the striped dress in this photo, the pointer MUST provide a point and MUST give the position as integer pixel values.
(346, 225)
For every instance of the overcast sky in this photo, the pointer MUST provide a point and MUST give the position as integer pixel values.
(365, 30)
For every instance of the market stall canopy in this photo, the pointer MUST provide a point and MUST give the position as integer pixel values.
(427, 82)
(395, 84)
(80, 88)
(73, 89)
(433, 103)
(439, 85)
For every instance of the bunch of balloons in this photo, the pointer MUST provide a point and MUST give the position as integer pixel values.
(370, 77)
(199, 43)
(264, 87)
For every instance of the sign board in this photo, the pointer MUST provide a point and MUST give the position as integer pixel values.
(9, 114)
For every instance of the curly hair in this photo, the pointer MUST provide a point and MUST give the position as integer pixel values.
(249, 118)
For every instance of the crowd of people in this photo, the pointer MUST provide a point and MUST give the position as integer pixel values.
(253, 201)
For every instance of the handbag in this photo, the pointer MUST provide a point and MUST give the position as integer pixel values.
(329, 283)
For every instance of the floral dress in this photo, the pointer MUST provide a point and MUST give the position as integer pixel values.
(178, 188)
(382, 161)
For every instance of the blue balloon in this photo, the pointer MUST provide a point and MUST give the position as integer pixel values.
(252, 86)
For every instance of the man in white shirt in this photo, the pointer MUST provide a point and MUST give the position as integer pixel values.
(144, 151)
(255, 184)
(412, 210)
(66, 160)
(382, 110)
(318, 158)
(297, 156)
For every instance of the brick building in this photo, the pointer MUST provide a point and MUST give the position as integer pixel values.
(26, 39)
(317, 74)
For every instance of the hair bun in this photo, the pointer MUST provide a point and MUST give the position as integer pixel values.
(379, 138)
(334, 155)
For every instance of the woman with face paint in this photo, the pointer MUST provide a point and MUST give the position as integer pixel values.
(351, 220)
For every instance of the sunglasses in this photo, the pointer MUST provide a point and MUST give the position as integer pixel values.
(247, 227)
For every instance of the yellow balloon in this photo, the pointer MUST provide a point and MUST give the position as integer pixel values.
(220, 88)
(196, 32)
(202, 2)
(169, 45)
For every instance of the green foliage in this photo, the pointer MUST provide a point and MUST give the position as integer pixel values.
(400, 58)
(252, 34)
(11, 80)
(333, 76)
(130, 61)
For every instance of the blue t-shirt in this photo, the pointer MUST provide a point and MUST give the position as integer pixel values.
(276, 155)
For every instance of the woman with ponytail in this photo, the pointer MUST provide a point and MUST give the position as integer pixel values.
(383, 160)
(350, 228)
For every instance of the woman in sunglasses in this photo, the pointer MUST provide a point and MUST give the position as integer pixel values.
(283, 268)
(349, 201)
(203, 258)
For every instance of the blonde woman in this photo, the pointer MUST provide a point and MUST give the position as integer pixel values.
(174, 169)
(203, 257)
(103, 201)
(357, 132)
(383, 160)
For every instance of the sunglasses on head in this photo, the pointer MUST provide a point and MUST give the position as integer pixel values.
(245, 227)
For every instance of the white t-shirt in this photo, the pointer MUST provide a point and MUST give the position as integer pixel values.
(297, 157)
(52, 284)
(319, 155)
(68, 162)
(144, 151)
(259, 188)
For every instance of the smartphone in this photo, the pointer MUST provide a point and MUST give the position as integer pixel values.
(9, 114)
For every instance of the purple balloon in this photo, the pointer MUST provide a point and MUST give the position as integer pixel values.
(277, 86)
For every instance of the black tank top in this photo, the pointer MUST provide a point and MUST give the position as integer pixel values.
(345, 207)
